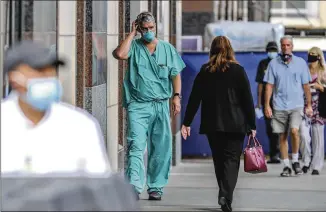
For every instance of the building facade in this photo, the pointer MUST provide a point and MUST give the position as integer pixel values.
(301, 13)
(304, 20)
(86, 32)
(196, 15)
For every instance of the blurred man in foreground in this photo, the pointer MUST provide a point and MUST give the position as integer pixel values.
(40, 134)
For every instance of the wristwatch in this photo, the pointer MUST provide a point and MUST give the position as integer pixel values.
(178, 95)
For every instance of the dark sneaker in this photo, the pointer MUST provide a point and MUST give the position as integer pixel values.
(274, 160)
(315, 172)
(154, 196)
(225, 205)
(286, 172)
(296, 168)
(305, 169)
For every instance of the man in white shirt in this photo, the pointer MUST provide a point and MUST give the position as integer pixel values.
(40, 134)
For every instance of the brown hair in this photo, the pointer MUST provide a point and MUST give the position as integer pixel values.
(221, 54)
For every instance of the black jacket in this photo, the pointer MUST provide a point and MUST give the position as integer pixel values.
(261, 71)
(226, 101)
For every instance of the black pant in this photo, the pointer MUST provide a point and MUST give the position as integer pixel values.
(226, 150)
(274, 143)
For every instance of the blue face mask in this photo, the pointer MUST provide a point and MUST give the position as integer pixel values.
(149, 36)
(42, 92)
(272, 55)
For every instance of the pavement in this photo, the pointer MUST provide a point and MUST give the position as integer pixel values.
(193, 187)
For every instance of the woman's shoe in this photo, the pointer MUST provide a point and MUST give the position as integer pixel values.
(225, 206)
(305, 169)
(315, 172)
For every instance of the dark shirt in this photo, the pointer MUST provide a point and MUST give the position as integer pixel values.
(226, 101)
(261, 71)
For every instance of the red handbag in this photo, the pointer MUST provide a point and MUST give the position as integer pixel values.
(254, 157)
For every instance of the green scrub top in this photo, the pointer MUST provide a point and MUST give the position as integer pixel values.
(149, 77)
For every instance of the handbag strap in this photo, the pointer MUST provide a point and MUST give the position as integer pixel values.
(256, 142)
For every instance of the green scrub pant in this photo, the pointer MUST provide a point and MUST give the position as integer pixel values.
(149, 123)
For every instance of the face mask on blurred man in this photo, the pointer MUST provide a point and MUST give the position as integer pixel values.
(31, 69)
(272, 55)
(41, 93)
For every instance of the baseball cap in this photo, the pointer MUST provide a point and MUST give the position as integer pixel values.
(31, 53)
(271, 46)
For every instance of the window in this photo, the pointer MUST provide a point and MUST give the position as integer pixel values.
(38, 21)
(99, 42)
(290, 8)
(296, 4)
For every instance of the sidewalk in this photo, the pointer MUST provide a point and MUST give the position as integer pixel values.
(193, 187)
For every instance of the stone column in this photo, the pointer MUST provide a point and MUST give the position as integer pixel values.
(166, 20)
(137, 7)
(175, 39)
(113, 84)
(2, 43)
(124, 29)
(178, 21)
(67, 48)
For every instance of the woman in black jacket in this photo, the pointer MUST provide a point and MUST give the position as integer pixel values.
(227, 114)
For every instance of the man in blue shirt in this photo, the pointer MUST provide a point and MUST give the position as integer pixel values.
(288, 79)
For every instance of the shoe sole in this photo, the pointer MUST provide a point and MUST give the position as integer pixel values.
(273, 162)
(225, 208)
(291, 175)
(299, 173)
(154, 198)
(286, 175)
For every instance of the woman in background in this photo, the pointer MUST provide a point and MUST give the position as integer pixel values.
(227, 114)
(315, 124)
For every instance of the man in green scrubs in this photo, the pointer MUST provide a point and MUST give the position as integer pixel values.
(152, 78)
